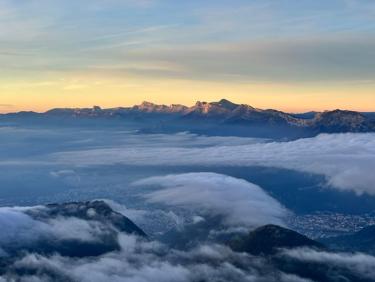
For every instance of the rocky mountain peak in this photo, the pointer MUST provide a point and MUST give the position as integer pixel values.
(226, 104)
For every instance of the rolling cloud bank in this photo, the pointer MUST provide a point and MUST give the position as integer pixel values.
(346, 160)
(215, 194)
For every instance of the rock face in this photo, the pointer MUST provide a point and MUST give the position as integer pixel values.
(221, 109)
(148, 107)
(341, 121)
(268, 239)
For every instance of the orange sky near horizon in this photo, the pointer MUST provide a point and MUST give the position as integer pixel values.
(43, 95)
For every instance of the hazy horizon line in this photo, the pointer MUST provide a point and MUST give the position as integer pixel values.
(179, 104)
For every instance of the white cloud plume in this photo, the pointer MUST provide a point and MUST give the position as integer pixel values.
(240, 203)
(346, 160)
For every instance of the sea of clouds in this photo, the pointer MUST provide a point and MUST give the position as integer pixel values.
(345, 160)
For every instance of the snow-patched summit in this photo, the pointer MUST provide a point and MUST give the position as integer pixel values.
(149, 107)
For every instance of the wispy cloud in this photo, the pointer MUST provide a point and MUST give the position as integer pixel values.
(243, 42)
(296, 60)
(6, 106)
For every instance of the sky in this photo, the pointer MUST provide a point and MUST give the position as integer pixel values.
(290, 55)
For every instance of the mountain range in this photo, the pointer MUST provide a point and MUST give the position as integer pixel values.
(215, 118)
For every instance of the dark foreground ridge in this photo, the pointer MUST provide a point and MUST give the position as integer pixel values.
(95, 220)
(89, 241)
(269, 239)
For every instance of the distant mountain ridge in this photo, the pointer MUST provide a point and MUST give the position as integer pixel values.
(211, 117)
(227, 112)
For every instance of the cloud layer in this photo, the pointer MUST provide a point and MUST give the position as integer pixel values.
(239, 202)
(141, 260)
(346, 160)
(136, 259)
